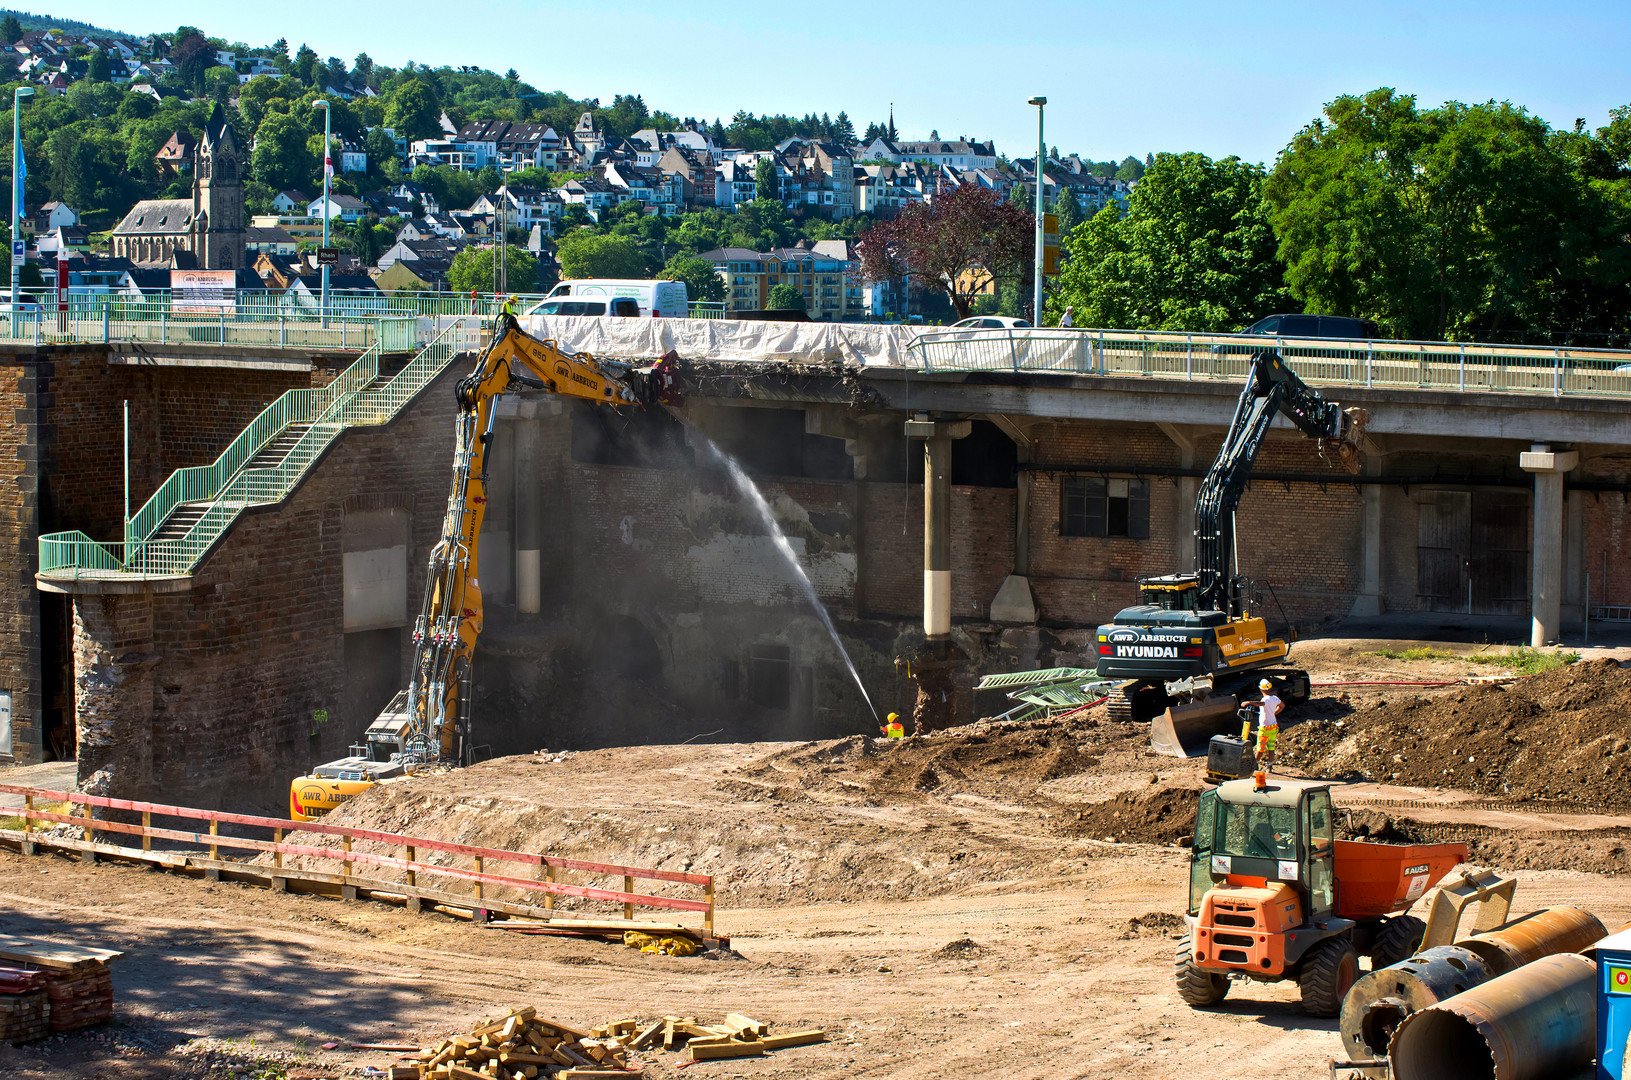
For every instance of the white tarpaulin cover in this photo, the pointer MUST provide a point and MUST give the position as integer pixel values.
(726, 339)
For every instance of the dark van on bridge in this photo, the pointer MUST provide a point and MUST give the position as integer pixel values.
(1311, 326)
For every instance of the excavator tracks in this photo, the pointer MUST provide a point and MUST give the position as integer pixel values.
(1120, 702)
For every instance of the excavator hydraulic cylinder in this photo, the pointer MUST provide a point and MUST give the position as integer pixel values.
(1536, 1023)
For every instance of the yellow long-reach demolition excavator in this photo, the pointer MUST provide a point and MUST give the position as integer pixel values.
(429, 722)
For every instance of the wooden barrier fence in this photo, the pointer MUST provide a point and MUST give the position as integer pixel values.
(538, 896)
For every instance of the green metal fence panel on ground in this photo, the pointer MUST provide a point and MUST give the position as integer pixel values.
(229, 485)
(1432, 365)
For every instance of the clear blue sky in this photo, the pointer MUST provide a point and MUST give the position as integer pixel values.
(1120, 78)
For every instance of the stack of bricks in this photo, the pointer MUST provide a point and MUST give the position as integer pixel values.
(72, 983)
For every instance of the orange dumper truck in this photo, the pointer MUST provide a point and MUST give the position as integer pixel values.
(1274, 895)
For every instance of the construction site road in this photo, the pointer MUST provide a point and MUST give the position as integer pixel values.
(978, 919)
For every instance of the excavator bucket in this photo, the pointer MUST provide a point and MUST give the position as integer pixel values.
(1185, 730)
(1352, 438)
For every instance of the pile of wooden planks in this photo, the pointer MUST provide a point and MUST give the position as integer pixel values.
(520, 1046)
(78, 987)
(23, 1016)
(737, 1036)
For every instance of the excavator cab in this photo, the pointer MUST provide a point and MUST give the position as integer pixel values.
(1171, 592)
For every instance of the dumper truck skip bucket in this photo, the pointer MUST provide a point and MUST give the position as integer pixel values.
(1185, 730)
(1379, 879)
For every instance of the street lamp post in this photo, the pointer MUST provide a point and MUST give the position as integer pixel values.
(1036, 300)
(328, 176)
(19, 170)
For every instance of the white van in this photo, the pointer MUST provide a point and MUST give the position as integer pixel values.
(609, 296)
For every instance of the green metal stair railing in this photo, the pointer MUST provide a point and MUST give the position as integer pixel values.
(230, 486)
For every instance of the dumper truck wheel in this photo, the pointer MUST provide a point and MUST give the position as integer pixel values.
(1328, 972)
(1199, 989)
(1399, 939)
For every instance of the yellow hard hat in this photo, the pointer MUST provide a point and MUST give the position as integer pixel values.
(1265, 685)
(894, 716)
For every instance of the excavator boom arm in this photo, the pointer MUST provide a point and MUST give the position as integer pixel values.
(1271, 388)
(451, 618)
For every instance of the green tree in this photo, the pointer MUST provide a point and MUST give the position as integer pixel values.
(1067, 210)
(414, 112)
(1193, 252)
(10, 30)
(473, 269)
(702, 281)
(1130, 169)
(281, 158)
(99, 68)
(766, 185)
(1451, 222)
(305, 64)
(786, 298)
(220, 83)
(191, 53)
(1023, 195)
(843, 131)
(363, 68)
(583, 254)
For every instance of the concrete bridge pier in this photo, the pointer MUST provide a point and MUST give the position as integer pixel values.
(1546, 603)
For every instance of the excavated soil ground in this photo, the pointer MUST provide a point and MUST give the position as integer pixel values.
(998, 900)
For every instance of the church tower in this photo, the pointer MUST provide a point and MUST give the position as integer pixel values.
(218, 197)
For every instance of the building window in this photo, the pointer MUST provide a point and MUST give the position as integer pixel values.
(1099, 506)
(770, 676)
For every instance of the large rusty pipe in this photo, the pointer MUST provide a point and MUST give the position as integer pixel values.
(1379, 1001)
(1536, 1023)
(1511, 945)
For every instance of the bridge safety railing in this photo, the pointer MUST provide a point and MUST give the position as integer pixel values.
(91, 322)
(1437, 365)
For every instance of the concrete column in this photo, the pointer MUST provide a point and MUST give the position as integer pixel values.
(1368, 601)
(937, 537)
(529, 518)
(1014, 602)
(1183, 515)
(937, 438)
(1546, 583)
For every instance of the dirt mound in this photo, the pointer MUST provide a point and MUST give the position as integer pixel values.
(1008, 759)
(961, 949)
(1164, 815)
(1153, 924)
(1561, 736)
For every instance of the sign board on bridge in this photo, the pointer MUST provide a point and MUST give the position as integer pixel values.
(1050, 244)
(328, 256)
(209, 291)
(18, 251)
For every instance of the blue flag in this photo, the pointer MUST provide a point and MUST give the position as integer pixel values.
(22, 173)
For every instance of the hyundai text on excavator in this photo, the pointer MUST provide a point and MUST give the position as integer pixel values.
(1193, 644)
(429, 721)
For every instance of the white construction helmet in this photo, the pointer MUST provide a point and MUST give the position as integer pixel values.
(1265, 685)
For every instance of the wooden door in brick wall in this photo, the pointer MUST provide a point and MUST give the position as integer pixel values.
(1499, 558)
(1443, 537)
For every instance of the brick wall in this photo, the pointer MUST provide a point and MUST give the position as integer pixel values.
(243, 660)
(19, 535)
(179, 417)
(982, 549)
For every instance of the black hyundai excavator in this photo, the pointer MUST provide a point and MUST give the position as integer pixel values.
(1193, 645)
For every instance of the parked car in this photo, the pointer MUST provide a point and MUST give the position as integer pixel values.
(625, 307)
(1315, 326)
(990, 322)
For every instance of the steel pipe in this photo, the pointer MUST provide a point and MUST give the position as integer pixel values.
(1511, 945)
(1380, 1001)
(1536, 1023)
